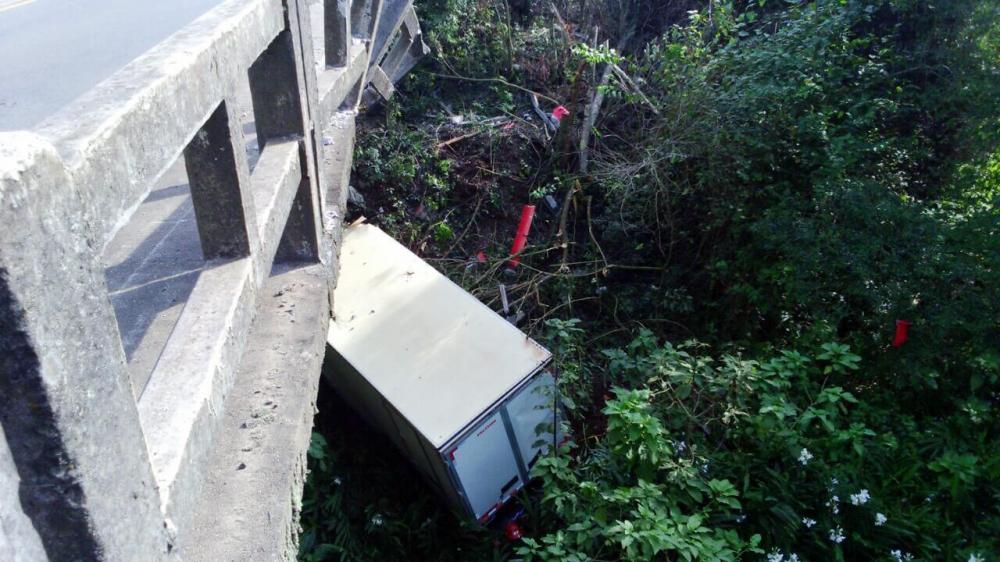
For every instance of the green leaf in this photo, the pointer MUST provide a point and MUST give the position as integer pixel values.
(601, 515)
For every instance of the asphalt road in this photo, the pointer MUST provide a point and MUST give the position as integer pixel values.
(51, 51)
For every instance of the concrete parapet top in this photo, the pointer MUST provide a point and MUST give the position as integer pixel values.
(85, 120)
(119, 137)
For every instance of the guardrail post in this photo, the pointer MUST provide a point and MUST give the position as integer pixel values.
(274, 88)
(218, 174)
(337, 29)
(364, 18)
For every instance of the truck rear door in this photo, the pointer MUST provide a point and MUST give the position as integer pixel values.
(531, 418)
(485, 465)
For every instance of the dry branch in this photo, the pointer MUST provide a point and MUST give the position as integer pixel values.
(564, 235)
(594, 108)
(456, 139)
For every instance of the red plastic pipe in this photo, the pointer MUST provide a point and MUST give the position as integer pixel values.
(521, 238)
(902, 332)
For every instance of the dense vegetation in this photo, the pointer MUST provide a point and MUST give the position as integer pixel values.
(753, 193)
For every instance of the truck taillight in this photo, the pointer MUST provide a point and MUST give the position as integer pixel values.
(513, 531)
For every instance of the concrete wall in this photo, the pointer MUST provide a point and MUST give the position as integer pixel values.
(93, 464)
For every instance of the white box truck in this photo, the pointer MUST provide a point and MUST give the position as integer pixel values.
(465, 395)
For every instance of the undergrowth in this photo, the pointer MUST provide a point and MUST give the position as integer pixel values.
(364, 501)
(772, 185)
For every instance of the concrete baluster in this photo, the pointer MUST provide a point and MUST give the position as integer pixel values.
(364, 18)
(274, 89)
(217, 169)
(337, 30)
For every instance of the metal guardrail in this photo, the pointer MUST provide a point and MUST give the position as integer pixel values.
(103, 473)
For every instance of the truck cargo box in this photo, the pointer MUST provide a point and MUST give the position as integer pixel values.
(462, 393)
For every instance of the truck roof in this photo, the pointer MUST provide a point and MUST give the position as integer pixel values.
(436, 353)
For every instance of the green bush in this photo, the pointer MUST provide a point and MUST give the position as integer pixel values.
(710, 459)
(818, 172)
(790, 178)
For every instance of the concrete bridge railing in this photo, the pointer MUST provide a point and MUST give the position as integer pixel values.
(97, 461)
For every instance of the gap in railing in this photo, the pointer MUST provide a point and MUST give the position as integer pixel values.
(151, 266)
(396, 35)
(154, 261)
(248, 120)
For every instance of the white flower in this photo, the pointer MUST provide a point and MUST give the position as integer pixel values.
(832, 504)
(777, 556)
(808, 522)
(897, 555)
(336, 480)
(805, 456)
(377, 520)
(681, 446)
(837, 535)
(880, 519)
(976, 558)
(860, 498)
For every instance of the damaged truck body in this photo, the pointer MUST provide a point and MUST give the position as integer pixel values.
(462, 393)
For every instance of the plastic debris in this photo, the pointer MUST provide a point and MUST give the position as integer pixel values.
(354, 196)
(551, 204)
